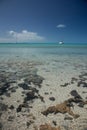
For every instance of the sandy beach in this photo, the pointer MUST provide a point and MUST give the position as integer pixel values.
(43, 95)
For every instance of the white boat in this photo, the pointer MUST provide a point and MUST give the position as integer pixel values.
(61, 42)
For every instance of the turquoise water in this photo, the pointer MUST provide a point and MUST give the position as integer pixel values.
(41, 51)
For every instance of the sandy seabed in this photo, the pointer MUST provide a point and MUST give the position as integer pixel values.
(43, 96)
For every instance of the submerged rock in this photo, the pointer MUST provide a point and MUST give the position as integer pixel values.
(1, 126)
(82, 83)
(73, 80)
(0, 114)
(75, 94)
(34, 90)
(52, 98)
(4, 88)
(24, 105)
(79, 102)
(30, 96)
(68, 118)
(3, 107)
(48, 127)
(41, 98)
(13, 90)
(60, 108)
(19, 108)
(24, 86)
(11, 118)
(11, 107)
(28, 124)
(35, 79)
(46, 93)
(54, 122)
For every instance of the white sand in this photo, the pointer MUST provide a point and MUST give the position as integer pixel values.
(55, 74)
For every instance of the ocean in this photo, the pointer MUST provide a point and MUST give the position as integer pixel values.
(41, 51)
(37, 76)
(46, 53)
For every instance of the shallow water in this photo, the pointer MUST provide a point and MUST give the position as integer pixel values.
(57, 56)
(42, 51)
(57, 64)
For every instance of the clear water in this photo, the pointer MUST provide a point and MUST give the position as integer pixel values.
(43, 51)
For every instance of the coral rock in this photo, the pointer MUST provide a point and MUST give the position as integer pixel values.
(60, 108)
(48, 127)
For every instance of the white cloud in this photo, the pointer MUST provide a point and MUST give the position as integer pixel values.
(61, 26)
(26, 36)
(23, 36)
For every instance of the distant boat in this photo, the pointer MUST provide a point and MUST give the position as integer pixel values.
(61, 42)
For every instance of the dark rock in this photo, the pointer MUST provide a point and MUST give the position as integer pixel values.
(46, 93)
(84, 84)
(22, 95)
(18, 101)
(1, 98)
(81, 104)
(68, 118)
(11, 107)
(82, 75)
(0, 114)
(42, 98)
(52, 98)
(31, 121)
(78, 101)
(1, 126)
(28, 124)
(73, 80)
(25, 105)
(3, 107)
(34, 90)
(19, 108)
(10, 118)
(23, 92)
(30, 96)
(24, 86)
(4, 88)
(84, 92)
(35, 79)
(75, 100)
(54, 122)
(13, 90)
(75, 94)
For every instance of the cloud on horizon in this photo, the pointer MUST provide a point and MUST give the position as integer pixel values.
(23, 36)
(61, 26)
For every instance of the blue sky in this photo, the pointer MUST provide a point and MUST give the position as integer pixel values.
(43, 21)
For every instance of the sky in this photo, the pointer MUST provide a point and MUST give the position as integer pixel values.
(43, 21)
